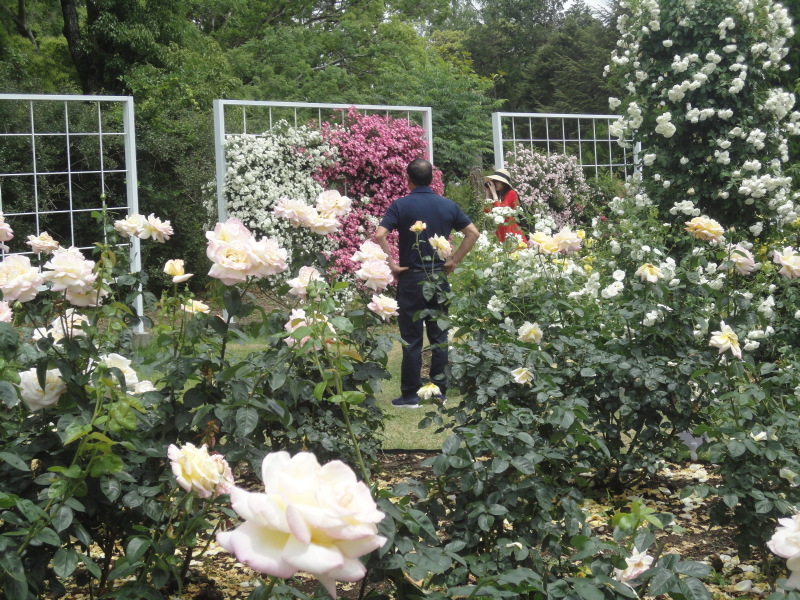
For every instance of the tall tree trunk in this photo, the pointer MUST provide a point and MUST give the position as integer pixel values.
(85, 62)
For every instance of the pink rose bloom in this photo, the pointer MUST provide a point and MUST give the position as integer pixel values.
(369, 250)
(383, 306)
(270, 258)
(638, 563)
(230, 231)
(295, 211)
(332, 203)
(742, 259)
(299, 285)
(70, 270)
(297, 319)
(18, 279)
(375, 274)
(321, 224)
(131, 226)
(6, 233)
(567, 241)
(789, 261)
(312, 518)
(6, 314)
(43, 243)
(232, 262)
(195, 469)
(157, 229)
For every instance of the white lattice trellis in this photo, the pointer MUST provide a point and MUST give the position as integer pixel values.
(62, 158)
(255, 117)
(585, 136)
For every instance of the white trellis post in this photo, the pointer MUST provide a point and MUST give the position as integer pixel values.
(221, 133)
(34, 135)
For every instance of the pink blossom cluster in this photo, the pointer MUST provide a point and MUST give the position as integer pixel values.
(373, 152)
(551, 185)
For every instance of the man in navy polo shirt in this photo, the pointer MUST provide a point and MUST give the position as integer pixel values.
(419, 263)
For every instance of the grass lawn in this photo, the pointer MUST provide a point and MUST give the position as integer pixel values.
(402, 431)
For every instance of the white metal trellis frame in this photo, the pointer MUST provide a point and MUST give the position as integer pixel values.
(32, 176)
(276, 111)
(584, 136)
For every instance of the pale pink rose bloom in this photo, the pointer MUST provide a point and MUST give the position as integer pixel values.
(529, 333)
(298, 318)
(383, 306)
(369, 250)
(195, 469)
(418, 227)
(175, 269)
(649, 273)
(742, 259)
(568, 241)
(91, 297)
(232, 262)
(428, 391)
(375, 274)
(726, 339)
(131, 226)
(443, 247)
(195, 306)
(703, 228)
(70, 270)
(789, 261)
(18, 279)
(321, 224)
(154, 227)
(523, 375)
(43, 243)
(231, 230)
(332, 203)
(6, 314)
(312, 518)
(6, 233)
(638, 563)
(32, 393)
(270, 258)
(299, 285)
(294, 211)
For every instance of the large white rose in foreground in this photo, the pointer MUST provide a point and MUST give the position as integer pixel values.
(786, 544)
(312, 518)
(32, 393)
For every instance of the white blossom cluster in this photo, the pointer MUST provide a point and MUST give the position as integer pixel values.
(262, 169)
(669, 98)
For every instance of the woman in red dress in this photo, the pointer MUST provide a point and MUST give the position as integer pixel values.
(500, 192)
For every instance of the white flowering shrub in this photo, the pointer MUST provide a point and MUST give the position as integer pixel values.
(551, 188)
(262, 170)
(700, 79)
